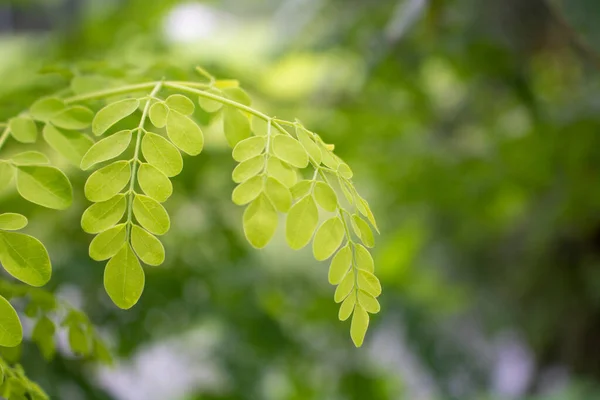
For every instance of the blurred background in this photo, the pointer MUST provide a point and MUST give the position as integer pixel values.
(473, 128)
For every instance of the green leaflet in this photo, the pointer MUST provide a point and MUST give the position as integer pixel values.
(247, 191)
(6, 174)
(25, 258)
(260, 127)
(327, 157)
(363, 231)
(107, 181)
(158, 114)
(288, 149)
(368, 302)
(44, 185)
(43, 336)
(325, 196)
(180, 104)
(151, 215)
(301, 189)
(279, 195)
(208, 105)
(108, 243)
(154, 183)
(12, 221)
(247, 169)
(78, 341)
(106, 149)
(309, 145)
(364, 209)
(347, 308)
(147, 247)
(23, 129)
(45, 108)
(260, 222)
(345, 171)
(101, 216)
(369, 283)
(184, 133)
(344, 288)
(113, 113)
(340, 264)
(363, 259)
(159, 152)
(11, 332)
(124, 278)
(73, 118)
(301, 223)
(282, 172)
(359, 325)
(237, 94)
(328, 238)
(69, 144)
(249, 148)
(29, 158)
(236, 125)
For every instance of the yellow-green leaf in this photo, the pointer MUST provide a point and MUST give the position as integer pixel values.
(364, 259)
(11, 332)
(44, 185)
(101, 216)
(279, 195)
(29, 158)
(288, 149)
(340, 264)
(363, 231)
(184, 133)
(282, 172)
(147, 247)
(328, 238)
(25, 258)
(344, 288)
(107, 244)
(23, 129)
(113, 113)
(301, 223)
(325, 196)
(106, 149)
(247, 191)
(151, 215)
(301, 189)
(247, 169)
(359, 325)
(158, 114)
(260, 221)
(208, 105)
(180, 103)
(369, 283)
(124, 278)
(309, 145)
(236, 125)
(159, 152)
(107, 181)
(347, 308)
(73, 118)
(12, 221)
(369, 303)
(154, 182)
(6, 174)
(249, 148)
(71, 145)
(45, 108)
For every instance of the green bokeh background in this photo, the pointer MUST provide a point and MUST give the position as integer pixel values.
(473, 129)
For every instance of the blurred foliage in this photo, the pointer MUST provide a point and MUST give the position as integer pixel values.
(472, 128)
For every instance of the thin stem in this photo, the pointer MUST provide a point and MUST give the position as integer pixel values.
(4, 136)
(135, 160)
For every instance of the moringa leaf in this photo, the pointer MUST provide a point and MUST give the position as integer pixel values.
(247, 169)
(30, 158)
(71, 145)
(301, 223)
(328, 238)
(25, 258)
(6, 174)
(282, 172)
(105, 183)
(359, 325)
(340, 264)
(23, 129)
(260, 221)
(106, 149)
(151, 215)
(11, 332)
(160, 153)
(369, 303)
(288, 149)
(325, 196)
(147, 247)
(154, 183)
(184, 133)
(106, 244)
(347, 308)
(344, 288)
(208, 105)
(113, 113)
(101, 216)
(247, 191)
(45, 108)
(249, 148)
(237, 94)
(369, 283)
(73, 118)
(44, 185)
(180, 104)
(309, 145)
(363, 259)
(124, 278)
(12, 221)
(158, 114)
(363, 231)
(279, 195)
(301, 189)
(236, 125)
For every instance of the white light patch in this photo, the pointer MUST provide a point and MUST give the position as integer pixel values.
(190, 22)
